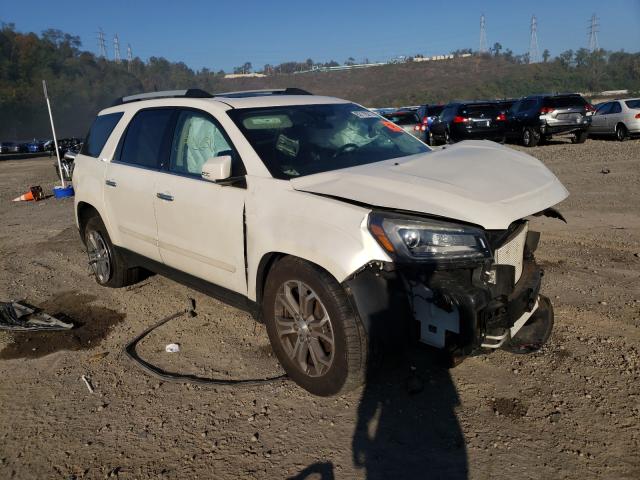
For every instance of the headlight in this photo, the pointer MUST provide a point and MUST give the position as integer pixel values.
(434, 241)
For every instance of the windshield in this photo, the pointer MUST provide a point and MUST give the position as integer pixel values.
(633, 103)
(299, 140)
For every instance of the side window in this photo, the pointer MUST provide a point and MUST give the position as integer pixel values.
(447, 114)
(604, 108)
(528, 105)
(615, 108)
(196, 139)
(146, 140)
(99, 133)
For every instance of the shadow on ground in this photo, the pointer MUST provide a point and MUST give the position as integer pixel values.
(410, 435)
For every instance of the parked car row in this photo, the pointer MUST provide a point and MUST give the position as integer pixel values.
(531, 120)
(35, 146)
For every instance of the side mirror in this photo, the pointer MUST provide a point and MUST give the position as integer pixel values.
(217, 168)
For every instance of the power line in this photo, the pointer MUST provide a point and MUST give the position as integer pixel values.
(116, 48)
(593, 33)
(483, 35)
(534, 51)
(102, 46)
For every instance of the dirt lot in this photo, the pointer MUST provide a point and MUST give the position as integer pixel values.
(571, 410)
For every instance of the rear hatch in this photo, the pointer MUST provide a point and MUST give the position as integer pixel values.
(564, 109)
(482, 116)
(406, 120)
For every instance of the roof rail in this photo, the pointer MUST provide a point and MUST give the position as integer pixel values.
(263, 93)
(189, 93)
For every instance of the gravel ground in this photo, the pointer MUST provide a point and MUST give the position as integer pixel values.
(571, 410)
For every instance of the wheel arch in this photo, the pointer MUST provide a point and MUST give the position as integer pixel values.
(267, 262)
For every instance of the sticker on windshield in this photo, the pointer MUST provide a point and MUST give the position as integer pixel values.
(391, 126)
(364, 114)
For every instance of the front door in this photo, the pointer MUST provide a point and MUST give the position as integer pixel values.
(200, 223)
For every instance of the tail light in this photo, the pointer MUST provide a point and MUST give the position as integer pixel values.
(637, 115)
(545, 110)
(417, 128)
(459, 119)
(425, 120)
(501, 118)
(590, 108)
(423, 128)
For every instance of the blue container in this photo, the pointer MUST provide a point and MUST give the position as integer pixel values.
(60, 192)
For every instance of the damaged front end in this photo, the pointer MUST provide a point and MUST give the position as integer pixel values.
(454, 287)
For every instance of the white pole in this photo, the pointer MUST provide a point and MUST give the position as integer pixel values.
(53, 129)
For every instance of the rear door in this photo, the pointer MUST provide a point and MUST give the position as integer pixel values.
(201, 223)
(599, 118)
(614, 116)
(131, 177)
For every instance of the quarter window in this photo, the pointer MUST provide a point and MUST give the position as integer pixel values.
(146, 141)
(99, 133)
(198, 138)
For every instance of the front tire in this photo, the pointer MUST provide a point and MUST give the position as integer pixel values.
(621, 133)
(108, 266)
(314, 331)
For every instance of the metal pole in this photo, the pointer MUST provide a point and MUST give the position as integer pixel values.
(53, 129)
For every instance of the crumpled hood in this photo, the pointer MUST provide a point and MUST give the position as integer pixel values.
(478, 182)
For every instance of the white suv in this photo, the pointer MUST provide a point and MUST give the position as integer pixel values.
(327, 222)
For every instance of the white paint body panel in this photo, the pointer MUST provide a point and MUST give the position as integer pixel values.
(478, 182)
(200, 232)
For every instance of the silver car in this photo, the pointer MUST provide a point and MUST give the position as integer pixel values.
(618, 117)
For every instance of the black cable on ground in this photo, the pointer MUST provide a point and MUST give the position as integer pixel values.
(130, 351)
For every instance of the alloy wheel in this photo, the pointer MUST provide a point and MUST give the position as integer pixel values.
(98, 253)
(304, 328)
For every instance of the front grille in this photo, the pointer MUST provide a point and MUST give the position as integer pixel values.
(512, 251)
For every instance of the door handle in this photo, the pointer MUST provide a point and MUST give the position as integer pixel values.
(110, 183)
(165, 196)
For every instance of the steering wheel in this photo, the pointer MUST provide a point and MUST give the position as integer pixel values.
(347, 147)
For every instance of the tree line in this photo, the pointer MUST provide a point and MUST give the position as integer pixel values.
(81, 83)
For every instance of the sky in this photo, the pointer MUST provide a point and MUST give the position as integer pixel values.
(224, 34)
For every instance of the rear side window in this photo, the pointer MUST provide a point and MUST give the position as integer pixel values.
(99, 133)
(147, 141)
(486, 110)
(402, 119)
(564, 102)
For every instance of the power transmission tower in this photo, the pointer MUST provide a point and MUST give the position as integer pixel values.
(116, 48)
(102, 46)
(129, 57)
(534, 51)
(593, 33)
(483, 35)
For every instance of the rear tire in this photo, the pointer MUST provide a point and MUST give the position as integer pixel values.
(109, 268)
(314, 331)
(580, 137)
(621, 132)
(431, 141)
(530, 137)
(447, 138)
